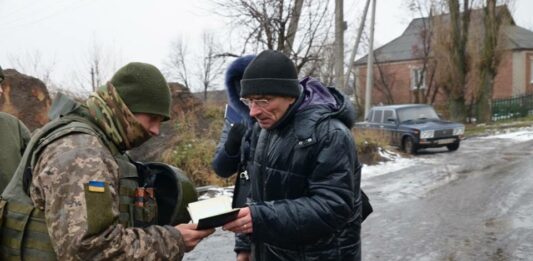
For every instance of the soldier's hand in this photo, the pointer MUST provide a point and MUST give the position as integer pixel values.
(243, 223)
(191, 236)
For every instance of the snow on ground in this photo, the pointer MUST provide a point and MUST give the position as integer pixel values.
(395, 162)
(521, 134)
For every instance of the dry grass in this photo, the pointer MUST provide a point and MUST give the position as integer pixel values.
(195, 146)
(368, 144)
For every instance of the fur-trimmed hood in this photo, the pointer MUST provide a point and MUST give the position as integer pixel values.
(232, 82)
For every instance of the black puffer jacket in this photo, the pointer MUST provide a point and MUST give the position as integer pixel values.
(305, 178)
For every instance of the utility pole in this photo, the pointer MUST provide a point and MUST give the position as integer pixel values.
(370, 61)
(339, 43)
(92, 79)
(354, 50)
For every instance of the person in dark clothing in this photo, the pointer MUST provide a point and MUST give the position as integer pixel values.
(305, 176)
(233, 147)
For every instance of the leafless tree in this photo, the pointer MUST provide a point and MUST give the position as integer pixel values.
(177, 62)
(97, 67)
(33, 63)
(98, 76)
(425, 89)
(384, 81)
(468, 49)
(211, 64)
(298, 28)
(450, 49)
(489, 58)
(324, 68)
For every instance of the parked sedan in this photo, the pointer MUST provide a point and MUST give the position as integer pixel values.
(413, 126)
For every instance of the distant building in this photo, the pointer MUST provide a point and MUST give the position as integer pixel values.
(399, 64)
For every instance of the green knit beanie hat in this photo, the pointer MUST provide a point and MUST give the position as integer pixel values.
(143, 88)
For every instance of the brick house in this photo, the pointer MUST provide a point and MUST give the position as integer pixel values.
(399, 65)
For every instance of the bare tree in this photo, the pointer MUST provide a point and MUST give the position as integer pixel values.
(324, 68)
(296, 12)
(384, 81)
(490, 54)
(98, 76)
(425, 89)
(177, 62)
(211, 64)
(450, 49)
(32, 63)
(99, 65)
(280, 25)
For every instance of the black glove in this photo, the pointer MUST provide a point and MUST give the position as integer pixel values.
(233, 141)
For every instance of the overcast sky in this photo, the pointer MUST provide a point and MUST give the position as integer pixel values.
(64, 31)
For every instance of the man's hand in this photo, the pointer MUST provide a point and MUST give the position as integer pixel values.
(191, 236)
(234, 139)
(243, 223)
(243, 256)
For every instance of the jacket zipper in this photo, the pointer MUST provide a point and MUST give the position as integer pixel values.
(263, 166)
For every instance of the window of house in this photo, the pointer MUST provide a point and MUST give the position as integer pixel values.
(418, 79)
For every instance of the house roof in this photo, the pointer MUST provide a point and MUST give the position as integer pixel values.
(409, 45)
(403, 47)
(518, 37)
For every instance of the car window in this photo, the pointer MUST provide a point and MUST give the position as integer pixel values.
(417, 113)
(369, 116)
(387, 114)
(377, 116)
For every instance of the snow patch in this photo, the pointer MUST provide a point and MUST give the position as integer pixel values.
(394, 162)
(522, 134)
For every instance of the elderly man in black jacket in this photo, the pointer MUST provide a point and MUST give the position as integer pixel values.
(306, 199)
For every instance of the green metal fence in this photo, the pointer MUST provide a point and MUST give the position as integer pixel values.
(515, 107)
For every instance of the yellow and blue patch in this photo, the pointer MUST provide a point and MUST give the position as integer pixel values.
(96, 186)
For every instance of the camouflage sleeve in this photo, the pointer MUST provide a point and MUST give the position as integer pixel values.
(58, 187)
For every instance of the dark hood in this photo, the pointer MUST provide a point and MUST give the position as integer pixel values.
(334, 103)
(232, 82)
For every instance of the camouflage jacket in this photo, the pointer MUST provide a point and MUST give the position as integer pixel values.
(58, 189)
(63, 169)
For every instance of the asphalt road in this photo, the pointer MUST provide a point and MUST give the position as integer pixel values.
(472, 204)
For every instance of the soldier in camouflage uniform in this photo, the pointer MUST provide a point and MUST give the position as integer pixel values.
(95, 224)
(13, 139)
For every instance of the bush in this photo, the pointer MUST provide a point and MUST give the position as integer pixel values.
(197, 137)
(368, 144)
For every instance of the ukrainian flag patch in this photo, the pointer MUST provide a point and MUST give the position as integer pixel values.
(96, 186)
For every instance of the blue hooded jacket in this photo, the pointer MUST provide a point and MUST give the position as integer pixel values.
(224, 164)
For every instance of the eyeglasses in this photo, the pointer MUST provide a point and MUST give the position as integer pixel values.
(262, 103)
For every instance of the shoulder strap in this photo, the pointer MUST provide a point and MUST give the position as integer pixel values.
(73, 124)
(50, 132)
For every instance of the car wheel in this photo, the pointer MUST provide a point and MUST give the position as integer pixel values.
(409, 145)
(453, 146)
